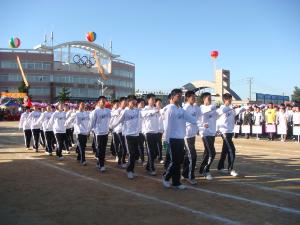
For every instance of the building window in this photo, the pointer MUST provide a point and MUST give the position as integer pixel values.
(39, 91)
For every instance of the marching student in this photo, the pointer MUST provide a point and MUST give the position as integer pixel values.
(114, 146)
(175, 119)
(81, 130)
(69, 127)
(130, 118)
(35, 127)
(282, 123)
(25, 125)
(42, 133)
(270, 117)
(166, 144)
(94, 145)
(225, 123)
(120, 140)
(58, 123)
(158, 105)
(100, 119)
(208, 132)
(47, 130)
(141, 156)
(150, 116)
(190, 157)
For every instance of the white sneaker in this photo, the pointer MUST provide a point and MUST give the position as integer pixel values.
(191, 181)
(60, 158)
(152, 173)
(162, 162)
(67, 152)
(166, 183)
(130, 175)
(233, 173)
(84, 163)
(27, 149)
(73, 145)
(224, 171)
(208, 176)
(124, 166)
(117, 159)
(102, 169)
(46, 153)
(63, 151)
(180, 187)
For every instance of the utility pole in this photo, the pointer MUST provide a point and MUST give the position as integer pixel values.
(250, 82)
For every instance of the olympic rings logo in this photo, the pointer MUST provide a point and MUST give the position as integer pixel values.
(84, 61)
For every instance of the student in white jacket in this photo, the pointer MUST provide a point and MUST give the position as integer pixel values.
(150, 116)
(70, 114)
(48, 131)
(81, 130)
(141, 156)
(35, 127)
(25, 125)
(58, 123)
(130, 118)
(119, 137)
(226, 123)
(208, 120)
(175, 119)
(100, 119)
(158, 105)
(190, 158)
(114, 146)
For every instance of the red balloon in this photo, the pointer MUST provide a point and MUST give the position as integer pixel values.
(214, 54)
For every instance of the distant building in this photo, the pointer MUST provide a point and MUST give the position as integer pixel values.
(71, 65)
(220, 85)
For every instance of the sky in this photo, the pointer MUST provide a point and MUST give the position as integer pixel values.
(170, 41)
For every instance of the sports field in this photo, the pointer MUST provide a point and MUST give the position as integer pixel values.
(38, 189)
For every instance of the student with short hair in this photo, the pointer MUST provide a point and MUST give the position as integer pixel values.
(100, 120)
(141, 156)
(225, 123)
(25, 125)
(119, 138)
(175, 119)
(270, 118)
(282, 123)
(158, 104)
(114, 146)
(190, 157)
(48, 130)
(82, 131)
(57, 122)
(150, 116)
(208, 120)
(130, 118)
(35, 127)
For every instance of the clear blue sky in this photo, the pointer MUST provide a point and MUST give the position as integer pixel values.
(170, 41)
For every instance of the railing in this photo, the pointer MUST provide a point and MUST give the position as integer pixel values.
(25, 50)
(123, 61)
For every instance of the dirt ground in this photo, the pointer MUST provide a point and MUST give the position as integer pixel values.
(39, 189)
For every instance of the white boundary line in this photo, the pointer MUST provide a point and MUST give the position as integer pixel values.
(234, 197)
(141, 195)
